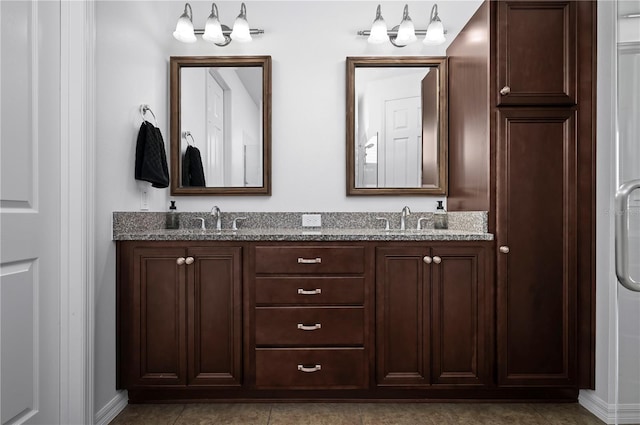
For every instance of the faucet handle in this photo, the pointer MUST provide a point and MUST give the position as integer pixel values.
(202, 226)
(419, 226)
(386, 227)
(234, 225)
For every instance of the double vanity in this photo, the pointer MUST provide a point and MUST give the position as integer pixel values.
(297, 313)
(349, 310)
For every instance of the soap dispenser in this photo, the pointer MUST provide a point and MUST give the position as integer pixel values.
(173, 218)
(440, 220)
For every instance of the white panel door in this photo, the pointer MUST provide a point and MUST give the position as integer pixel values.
(402, 160)
(30, 211)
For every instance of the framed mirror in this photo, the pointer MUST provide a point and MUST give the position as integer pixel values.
(220, 125)
(396, 125)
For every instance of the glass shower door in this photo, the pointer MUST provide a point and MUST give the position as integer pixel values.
(628, 207)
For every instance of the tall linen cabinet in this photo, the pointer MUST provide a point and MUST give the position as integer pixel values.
(522, 147)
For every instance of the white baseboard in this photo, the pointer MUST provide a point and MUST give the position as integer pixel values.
(112, 408)
(627, 413)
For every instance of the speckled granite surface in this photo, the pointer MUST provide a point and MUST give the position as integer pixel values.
(287, 226)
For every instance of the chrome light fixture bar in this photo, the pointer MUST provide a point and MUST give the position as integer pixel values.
(214, 31)
(405, 33)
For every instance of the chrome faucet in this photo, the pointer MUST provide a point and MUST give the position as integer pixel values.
(215, 213)
(405, 212)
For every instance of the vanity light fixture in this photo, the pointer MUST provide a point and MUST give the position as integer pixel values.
(214, 31)
(378, 33)
(184, 27)
(435, 29)
(405, 33)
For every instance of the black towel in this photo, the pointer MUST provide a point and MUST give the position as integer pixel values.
(192, 171)
(151, 158)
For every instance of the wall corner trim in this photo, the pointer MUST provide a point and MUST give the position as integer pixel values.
(110, 410)
(627, 413)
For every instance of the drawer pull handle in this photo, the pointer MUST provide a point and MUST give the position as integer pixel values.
(303, 368)
(311, 292)
(309, 327)
(316, 260)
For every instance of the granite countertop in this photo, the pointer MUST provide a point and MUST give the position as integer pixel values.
(305, 235)
(148, 227)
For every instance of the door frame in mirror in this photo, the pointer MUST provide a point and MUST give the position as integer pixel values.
(398, 62)
(176, 63)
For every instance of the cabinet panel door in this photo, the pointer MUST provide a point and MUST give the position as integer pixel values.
(536, 220)
(215, 307)
(158, 334)
(536, 45)
(402, 316)
(459, 326)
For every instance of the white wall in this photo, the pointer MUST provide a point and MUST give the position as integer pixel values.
(308, 41)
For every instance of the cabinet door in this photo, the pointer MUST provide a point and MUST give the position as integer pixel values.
(460, 321)
(536, 52)
(536, 232)
(402, 316)
(215, 307)
(158, 317)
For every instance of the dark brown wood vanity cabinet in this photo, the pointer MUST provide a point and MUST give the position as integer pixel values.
(310, 316)
(536, 52)
(526, 92)
(434, 308)
(537, 154)
(179, 315)
(536, 263)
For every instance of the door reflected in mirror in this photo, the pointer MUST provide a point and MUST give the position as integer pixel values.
(220, 125)
(396, 140)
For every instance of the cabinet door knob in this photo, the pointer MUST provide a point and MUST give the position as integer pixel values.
(505, 90)
(437, 260)
(189, 260)
(504, 249)
(427, 259)
(180, 261)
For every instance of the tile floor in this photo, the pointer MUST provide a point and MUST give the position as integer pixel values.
(357, 414)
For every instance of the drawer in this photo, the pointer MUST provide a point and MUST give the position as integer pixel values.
(278, 326)
(309, 259)
(310, 290)
(311, 368)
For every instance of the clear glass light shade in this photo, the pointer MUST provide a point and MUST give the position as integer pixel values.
(213, 30)
(184, 30)
(241, 32)
(435, 33)
(406, 33)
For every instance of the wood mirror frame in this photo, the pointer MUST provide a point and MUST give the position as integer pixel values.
(440, 63)
(177, 63)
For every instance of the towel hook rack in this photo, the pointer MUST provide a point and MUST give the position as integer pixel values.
(144, 109)
(186, 134)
